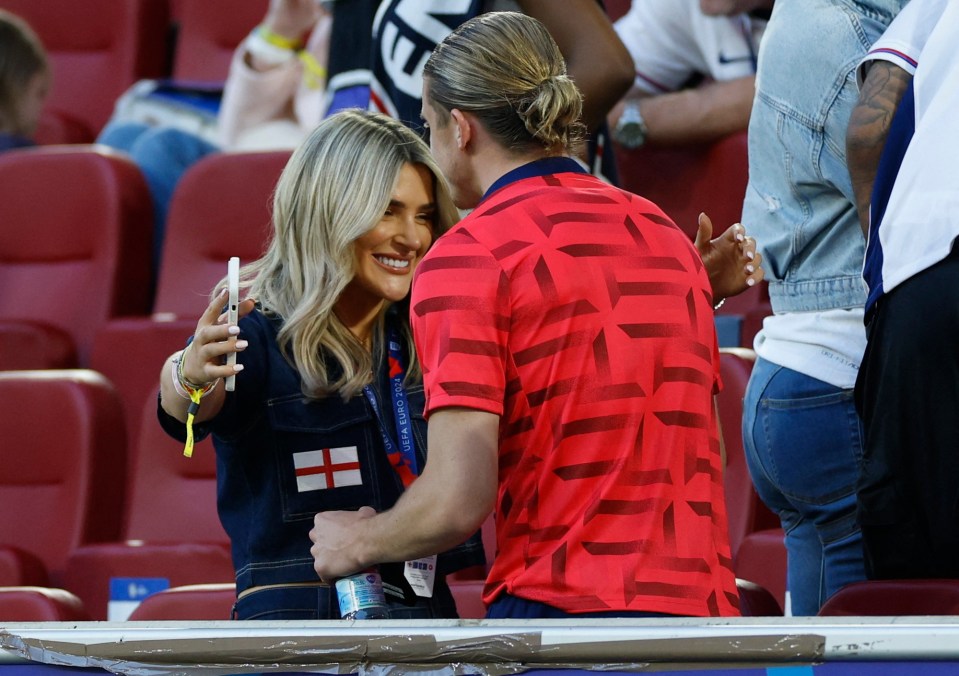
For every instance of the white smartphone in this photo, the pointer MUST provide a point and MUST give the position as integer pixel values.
(233, 282)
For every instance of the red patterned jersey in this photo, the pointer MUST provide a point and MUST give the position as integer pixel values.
(583, 316)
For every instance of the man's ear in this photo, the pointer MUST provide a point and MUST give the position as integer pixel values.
(462, 132)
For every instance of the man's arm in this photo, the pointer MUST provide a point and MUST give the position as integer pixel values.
(441, 509)
(595, 57)
(695, 115)
(869, 124)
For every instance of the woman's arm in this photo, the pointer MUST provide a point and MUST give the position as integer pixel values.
(201, 363)
(261, 86)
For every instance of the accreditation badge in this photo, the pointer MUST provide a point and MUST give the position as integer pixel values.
(421, 573)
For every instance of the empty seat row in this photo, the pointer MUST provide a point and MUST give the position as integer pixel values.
(83, 509)
(75, 234)
(140, 487)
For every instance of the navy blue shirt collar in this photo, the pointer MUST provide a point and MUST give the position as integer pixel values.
(541, 167)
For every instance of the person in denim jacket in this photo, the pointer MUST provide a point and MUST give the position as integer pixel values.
(802, 436)
(325, 367)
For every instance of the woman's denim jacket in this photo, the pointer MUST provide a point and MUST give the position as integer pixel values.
(799, 202)
(262, 424)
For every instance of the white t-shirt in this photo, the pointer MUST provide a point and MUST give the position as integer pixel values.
(672, 40)
(827, 346)
(922, 216)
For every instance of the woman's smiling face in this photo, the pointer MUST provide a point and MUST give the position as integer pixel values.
(386, 256)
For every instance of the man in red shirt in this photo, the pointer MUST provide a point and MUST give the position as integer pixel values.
(569, 355)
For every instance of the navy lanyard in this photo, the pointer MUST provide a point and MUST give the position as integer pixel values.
(402, 455)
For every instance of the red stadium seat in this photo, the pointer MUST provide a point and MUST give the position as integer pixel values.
(27, 344)
(20, 567)
(63, 457)
(171, 529)
(221, 208)
(756, 601)
(40, 604)
(746, 512)
(468, 595)
(761, 558)
(209, 31)
(894, 597)
(616, 8)
(753, 317)
(97, 49)
(188, 603)
(687, 180)
(75, 231)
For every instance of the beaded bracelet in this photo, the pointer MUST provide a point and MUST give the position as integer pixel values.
(192, 392)
(183, 386)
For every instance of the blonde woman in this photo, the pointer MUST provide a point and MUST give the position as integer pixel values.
(570, 361)
(327, 410)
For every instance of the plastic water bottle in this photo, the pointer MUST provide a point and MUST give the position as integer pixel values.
(361, 596)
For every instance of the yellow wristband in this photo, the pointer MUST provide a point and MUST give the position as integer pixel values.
(278, 40)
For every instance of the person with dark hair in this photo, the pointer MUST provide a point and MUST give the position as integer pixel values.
(24, 81)
(566, 333)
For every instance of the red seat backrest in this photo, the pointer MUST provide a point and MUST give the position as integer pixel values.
(40, 604)
(616, 8)
(222, 207)
(189, 602)
(172, 498)
(63, 457)
(687, 180)
(895, 597)
(97, 49)
(746, 512)
(761, 558)
(756, 601)
(208, 34)
(75, 231)
(171, 531)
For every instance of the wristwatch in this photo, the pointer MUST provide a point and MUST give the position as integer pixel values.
(630, 130)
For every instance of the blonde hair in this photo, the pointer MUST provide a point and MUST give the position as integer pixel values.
(505, 68)
(335, 188)
(22, 56)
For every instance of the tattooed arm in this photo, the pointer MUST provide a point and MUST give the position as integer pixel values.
(868, 127)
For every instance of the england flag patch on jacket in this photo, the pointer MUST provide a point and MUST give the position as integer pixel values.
(327, 468)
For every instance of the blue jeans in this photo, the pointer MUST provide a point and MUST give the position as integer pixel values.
(803, 443)
(163, 155)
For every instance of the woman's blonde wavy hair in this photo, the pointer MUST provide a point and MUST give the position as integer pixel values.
(505, 68)
(335, 188)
